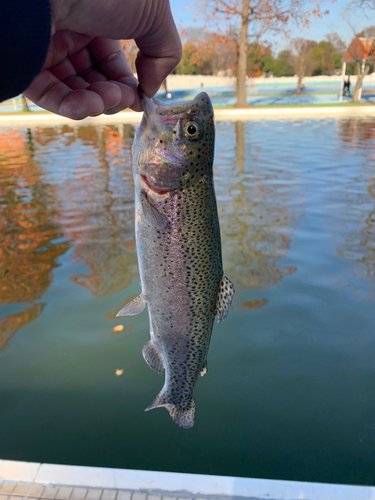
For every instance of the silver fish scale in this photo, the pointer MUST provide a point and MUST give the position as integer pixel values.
(181, 269)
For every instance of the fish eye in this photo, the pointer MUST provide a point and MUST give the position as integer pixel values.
(192, 130)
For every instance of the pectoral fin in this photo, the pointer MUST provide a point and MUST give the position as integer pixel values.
(152, 357)
(134, 307)
(204, 370)
(151, 213)
(224, 299)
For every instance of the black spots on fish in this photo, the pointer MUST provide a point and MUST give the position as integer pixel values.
(191, 252)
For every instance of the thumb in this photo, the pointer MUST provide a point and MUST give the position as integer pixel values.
(160, 51)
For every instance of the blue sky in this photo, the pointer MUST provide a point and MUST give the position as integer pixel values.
(334, 21)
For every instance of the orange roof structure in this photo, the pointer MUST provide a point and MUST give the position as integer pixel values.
(360, 48)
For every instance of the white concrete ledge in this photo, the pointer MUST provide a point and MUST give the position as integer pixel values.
(253, 112)
(292, 112)
(43, 119)
(170, 482)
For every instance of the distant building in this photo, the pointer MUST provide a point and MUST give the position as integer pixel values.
(360, 49)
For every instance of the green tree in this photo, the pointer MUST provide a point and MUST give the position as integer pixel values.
(269, 63)
(327, 58)
(281, 64)
(187, 66)
(259, 60)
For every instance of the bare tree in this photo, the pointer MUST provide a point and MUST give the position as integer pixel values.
(301, 59)
(336, 41)
(25, 106)
(363, 4)
(253, 19)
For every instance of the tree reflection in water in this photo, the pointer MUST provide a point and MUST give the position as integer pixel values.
(357, 135)
(28, 228)
(70, 184)
(256, 220)
(72, 187)
(100, 215)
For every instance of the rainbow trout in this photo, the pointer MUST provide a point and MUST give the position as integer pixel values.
(178, 246)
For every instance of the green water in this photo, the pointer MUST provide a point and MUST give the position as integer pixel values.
(290, 391)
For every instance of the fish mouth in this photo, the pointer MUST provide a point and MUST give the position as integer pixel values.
(153, 189)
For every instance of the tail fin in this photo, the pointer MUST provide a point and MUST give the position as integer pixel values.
(182, 415)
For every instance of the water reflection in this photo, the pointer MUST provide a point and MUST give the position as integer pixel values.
(358, 138)
(28, 228)
(11, 323)
(71, 187)
(63, 187)
(100, 215)
(291, 194)
(257, 218)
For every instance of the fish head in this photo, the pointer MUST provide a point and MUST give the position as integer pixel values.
(174, 144)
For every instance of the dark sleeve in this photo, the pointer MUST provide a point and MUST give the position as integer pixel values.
(25, 32)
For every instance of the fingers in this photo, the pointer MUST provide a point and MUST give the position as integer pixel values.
(50, 93)
(160, 50)
(111, 62)
(100, 60)
(83, 84)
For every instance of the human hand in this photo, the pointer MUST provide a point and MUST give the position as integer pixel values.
(86, 73)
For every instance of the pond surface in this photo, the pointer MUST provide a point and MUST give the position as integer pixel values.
(290, 391)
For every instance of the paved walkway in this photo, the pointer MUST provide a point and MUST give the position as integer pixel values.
(34, 481)
(19, 491)
(228, 114)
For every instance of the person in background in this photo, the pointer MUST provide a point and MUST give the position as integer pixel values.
(347, 86)
(66, 57)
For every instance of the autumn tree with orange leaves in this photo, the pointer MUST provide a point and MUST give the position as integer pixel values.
(130, 50)
(207, 53)
(256, 18)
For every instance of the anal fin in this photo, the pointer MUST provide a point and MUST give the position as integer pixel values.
(152, 357)
(224, 298)
(134, 307)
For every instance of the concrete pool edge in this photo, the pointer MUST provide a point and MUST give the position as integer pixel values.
(220, 114)
(172, 483)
